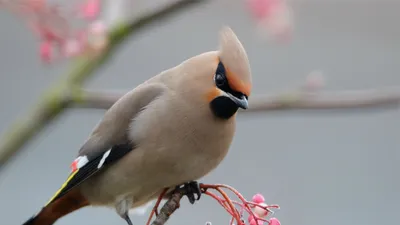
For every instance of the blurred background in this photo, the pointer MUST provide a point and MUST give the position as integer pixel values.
(321, 167)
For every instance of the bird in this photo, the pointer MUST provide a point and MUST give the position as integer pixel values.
(171, 130)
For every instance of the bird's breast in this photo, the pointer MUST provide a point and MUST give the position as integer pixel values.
(181, 138)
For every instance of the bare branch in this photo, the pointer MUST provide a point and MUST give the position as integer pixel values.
(168, 208)
(371, 98)
(96, 99)
(353, 99)
(54, 100)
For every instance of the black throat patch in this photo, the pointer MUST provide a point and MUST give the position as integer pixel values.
(223, 107)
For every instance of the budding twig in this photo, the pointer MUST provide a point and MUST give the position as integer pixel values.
(59, 96)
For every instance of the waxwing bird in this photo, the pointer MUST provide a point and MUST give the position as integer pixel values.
(171, 130)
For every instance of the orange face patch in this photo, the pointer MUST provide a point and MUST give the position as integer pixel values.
(213, 93)
(236, 84)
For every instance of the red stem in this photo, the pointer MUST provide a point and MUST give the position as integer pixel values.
(237, 217)
(155, 208)
(219, 200)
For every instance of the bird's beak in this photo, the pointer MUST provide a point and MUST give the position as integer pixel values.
(241, 102)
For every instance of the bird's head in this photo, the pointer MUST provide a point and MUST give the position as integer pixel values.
(222, 78)
(231, 78)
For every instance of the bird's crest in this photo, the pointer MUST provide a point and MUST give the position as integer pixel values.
(233, 55)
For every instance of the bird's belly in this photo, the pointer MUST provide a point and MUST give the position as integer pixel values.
(142, 179)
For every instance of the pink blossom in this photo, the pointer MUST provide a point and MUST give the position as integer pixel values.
(274, 221)
(53, 25)
(72, 47)
(91, 9)
(273, 16)
(97, 35)
(258, 198)
(98, 28)
(46, 51)
(82, 36)
(253, 222)
(261, 212)
(36, 4)
(261, 8)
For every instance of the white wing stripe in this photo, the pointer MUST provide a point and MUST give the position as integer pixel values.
(103, 158)
(82, 161)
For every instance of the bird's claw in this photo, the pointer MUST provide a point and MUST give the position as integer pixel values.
(190, 189)
(127, 219)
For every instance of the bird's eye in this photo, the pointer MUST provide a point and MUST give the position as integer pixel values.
(220, 80)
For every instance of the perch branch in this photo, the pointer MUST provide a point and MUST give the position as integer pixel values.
(369, 98)
(173, 203)
(56, 99)
(168, 208)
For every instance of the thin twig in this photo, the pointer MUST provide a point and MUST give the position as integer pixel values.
(369, 98)
(59, 96)
(351, 99)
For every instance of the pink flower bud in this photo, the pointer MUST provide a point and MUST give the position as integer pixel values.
(260, 212)
(81, 36)
(36, 4)
(46, 51)
(250, 218)
(90, 9)
(279, 24)
(97, 36)
(261, 8)
(97, 28)
(274, 221)
(253, 222)
(71, 48)
(273, 17)
(258, 198)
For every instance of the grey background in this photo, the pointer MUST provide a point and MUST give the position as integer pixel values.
(329, 168)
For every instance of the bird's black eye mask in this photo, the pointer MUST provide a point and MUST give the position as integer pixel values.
(221, 81)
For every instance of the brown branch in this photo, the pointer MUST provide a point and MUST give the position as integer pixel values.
(68, 90)
(369, 98)
(352, 99)
(169, 207)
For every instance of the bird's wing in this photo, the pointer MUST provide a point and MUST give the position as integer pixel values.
(88, 168)
(108, 142)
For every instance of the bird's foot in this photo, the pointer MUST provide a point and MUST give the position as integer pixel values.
(122, 206)
(127, 219)
(190, 189)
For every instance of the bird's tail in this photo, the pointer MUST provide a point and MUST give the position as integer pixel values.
(50, 213)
